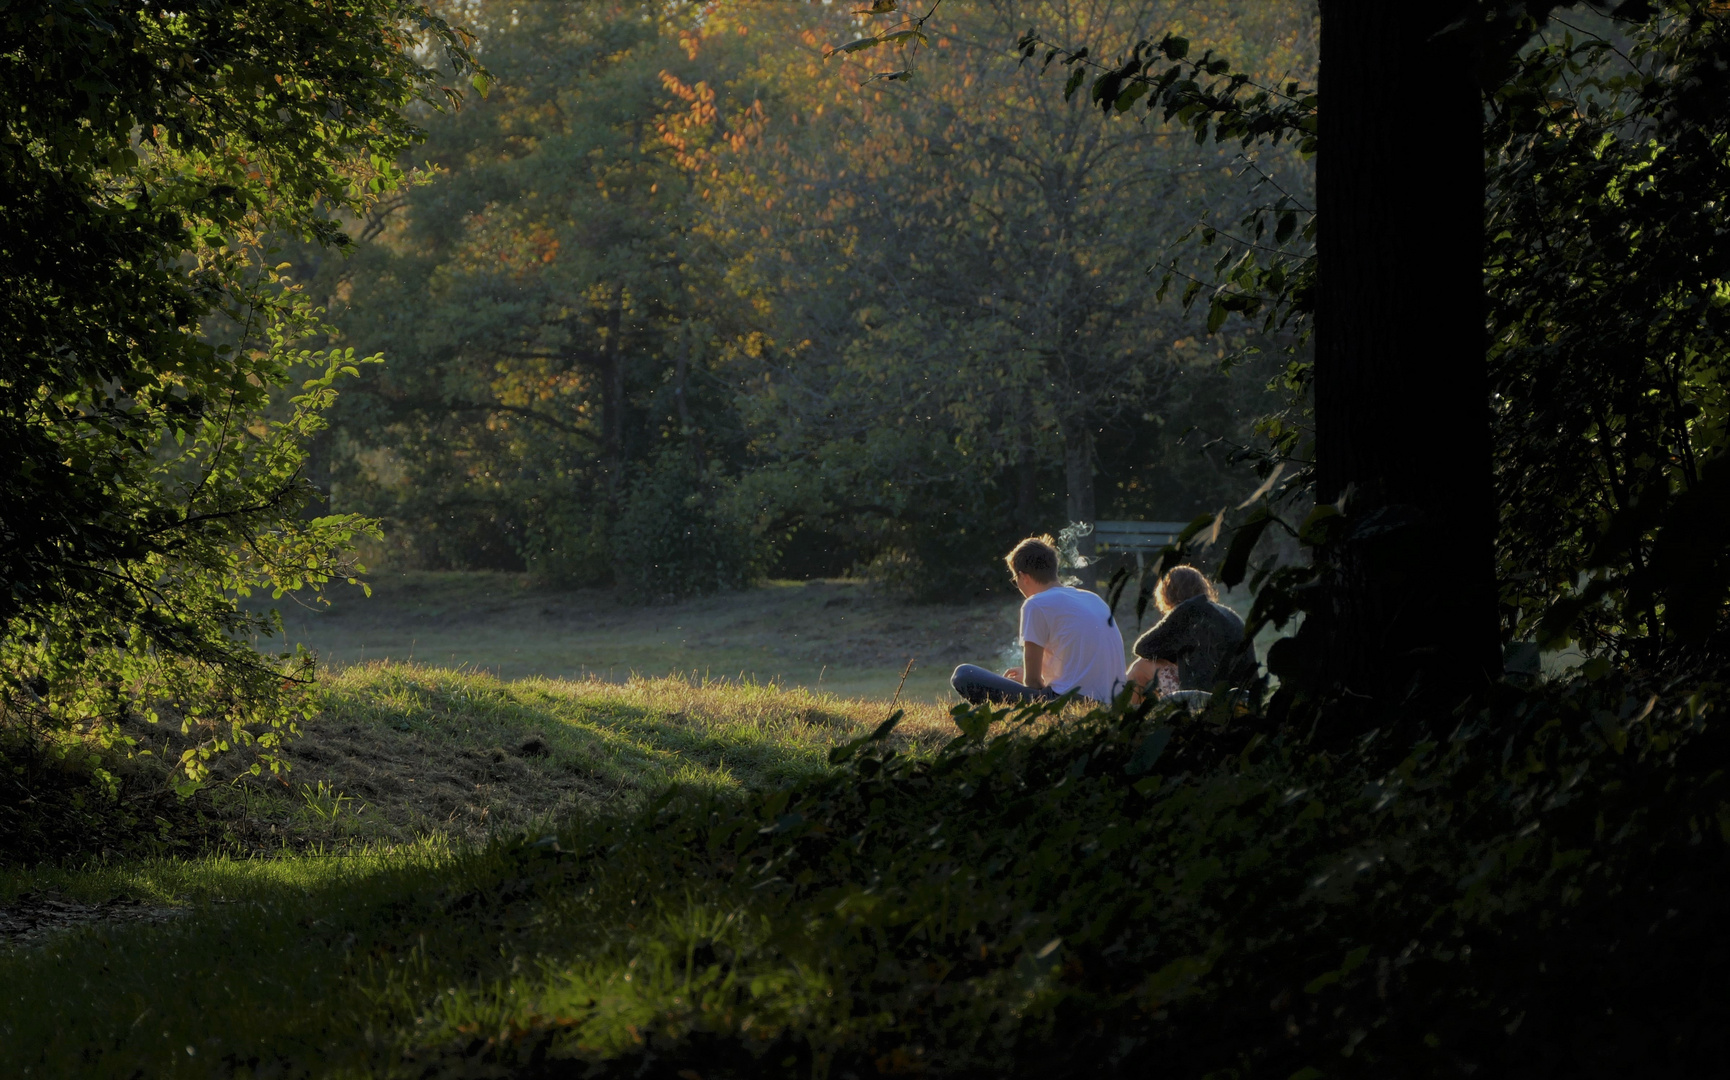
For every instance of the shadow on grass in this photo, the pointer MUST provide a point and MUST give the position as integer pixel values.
(398, 751)
(261, 967)
(305, 957)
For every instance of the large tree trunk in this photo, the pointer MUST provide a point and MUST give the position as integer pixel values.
(1026, 512)
(317, 473)
(681, 375)
(1401, 392)
(612, 372)
(1078, 479)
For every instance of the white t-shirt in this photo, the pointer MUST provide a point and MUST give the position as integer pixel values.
(1083, 647)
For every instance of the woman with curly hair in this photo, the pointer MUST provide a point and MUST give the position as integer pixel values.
(1198, 643)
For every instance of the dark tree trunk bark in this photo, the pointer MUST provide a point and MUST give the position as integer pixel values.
(1401, 391)
(317, 471)
(1026, 473)
(681, 373)
(1078, 479)
(612, 371)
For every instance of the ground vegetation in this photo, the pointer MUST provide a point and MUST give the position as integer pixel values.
(1523, 896)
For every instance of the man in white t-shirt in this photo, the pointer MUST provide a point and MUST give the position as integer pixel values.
(1069, 640)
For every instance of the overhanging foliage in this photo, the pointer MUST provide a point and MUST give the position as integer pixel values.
(148, 154)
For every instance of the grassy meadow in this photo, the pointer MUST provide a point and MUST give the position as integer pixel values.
(839, 636)
(394, 789)
(402, 751)
(469, 875)
(399, 956)
(363, 921)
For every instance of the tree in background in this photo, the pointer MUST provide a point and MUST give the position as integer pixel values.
(853, 318)
(957, 271)
(149, 151)
(550, 321)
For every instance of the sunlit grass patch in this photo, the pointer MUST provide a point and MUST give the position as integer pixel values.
(643, 916)
(401, 750)
(404, 937)
(218, 878)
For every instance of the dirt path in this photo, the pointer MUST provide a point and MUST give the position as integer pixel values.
(31, 918)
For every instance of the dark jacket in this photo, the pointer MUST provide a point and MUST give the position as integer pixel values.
(1205, 641)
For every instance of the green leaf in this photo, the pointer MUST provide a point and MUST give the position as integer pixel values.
(899, 36)
(1243, 541)
(846, 750)
(855, 46)
(1148, 753)
(1136, 92)
(1114, 591)
(1144, 596)
(974, 723)
(1076, 75)
(1196, 525)
(1318, 527)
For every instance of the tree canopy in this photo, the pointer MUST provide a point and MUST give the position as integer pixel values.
(867, 324)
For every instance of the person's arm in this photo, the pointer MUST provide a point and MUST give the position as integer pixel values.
(1032, 663)
(1034, 630)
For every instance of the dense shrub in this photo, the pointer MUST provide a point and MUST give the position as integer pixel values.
(677, 537)
(1539, 893)
(158, 403)
(64, 799)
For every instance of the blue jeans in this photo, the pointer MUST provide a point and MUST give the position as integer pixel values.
(975, 685)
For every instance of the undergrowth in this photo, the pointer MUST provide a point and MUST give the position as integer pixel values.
(1539, 893)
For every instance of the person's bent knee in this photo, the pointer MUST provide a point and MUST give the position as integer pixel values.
(1140, 673)
(965, 683)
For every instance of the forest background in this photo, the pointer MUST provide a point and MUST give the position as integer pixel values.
(685, 301)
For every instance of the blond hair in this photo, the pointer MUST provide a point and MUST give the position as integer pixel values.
(1183, 583)
(1036, 557)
